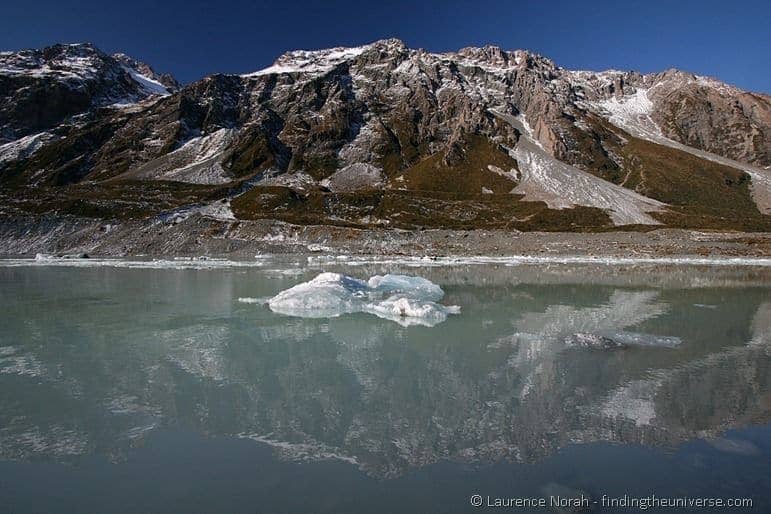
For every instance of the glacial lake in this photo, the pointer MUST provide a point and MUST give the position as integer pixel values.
(174, 388)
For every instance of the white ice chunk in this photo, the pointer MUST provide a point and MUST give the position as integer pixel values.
(404, 299)
(413, 287)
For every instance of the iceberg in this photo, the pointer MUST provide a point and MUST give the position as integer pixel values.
(404, 299)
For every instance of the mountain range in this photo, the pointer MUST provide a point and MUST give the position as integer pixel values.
(382, 136)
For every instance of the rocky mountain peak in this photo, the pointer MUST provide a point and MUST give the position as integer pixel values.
(145, 70)
(316, 62)
(41, 89)
(70, 50)
(80, 63)
(392, 44)
(479, 121)
(63, 61)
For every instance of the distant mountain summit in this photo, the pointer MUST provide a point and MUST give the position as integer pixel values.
(40, 89)
(385, 135)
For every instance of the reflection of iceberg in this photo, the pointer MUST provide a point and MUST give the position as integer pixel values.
(384, 398)
(406, 300)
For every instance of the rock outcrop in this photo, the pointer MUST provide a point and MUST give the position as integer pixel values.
(413, 124)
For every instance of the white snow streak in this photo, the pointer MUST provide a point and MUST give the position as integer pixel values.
(150, 85)
(312, 62)
(23, 147)
(632, 114)
(562, 186)
(197, 161)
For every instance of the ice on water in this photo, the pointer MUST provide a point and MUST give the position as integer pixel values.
(404, 299)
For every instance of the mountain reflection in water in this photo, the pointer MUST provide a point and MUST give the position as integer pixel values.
(93, 360)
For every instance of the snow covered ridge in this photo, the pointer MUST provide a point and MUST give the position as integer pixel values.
(76, 64)
(23, 147)
(310, 61)
(404, 299)
(62, 61)
(150, 85)
(314, 62)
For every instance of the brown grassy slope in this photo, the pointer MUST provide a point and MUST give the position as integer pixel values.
(467, 175)
(701, 193)
(109, 200)
(439, 192)
(413, 210)
(432, 194)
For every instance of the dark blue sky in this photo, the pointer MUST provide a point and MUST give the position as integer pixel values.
(730, 40)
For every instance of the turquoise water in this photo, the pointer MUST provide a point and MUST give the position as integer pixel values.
(157, 390)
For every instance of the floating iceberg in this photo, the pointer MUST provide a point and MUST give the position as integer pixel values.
(404, 299)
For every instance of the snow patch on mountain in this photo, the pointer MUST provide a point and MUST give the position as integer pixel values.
(632, 114)
(197, 161)
(152, 86)
(309, 61)
(219, 210)
(512, 174)
(631, 111)
(294, 180)
(23, 147)
(561, 186)
(355, 177)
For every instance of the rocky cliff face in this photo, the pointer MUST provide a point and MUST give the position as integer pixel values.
(40, 89)
(387, 135)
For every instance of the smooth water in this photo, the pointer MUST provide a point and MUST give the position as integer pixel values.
(157, 390)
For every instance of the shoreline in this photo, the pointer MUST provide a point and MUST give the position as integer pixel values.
(320, 260)
(200, 236)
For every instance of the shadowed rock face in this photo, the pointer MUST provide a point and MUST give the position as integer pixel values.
(40, 89)
(404, 120)
(501, 381)
(708, 115)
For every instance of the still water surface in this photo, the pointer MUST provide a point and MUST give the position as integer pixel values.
(157, 390)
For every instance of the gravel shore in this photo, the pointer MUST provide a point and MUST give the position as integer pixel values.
(200, 235)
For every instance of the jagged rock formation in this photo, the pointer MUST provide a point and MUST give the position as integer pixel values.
(40, 89)
(386, 135)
